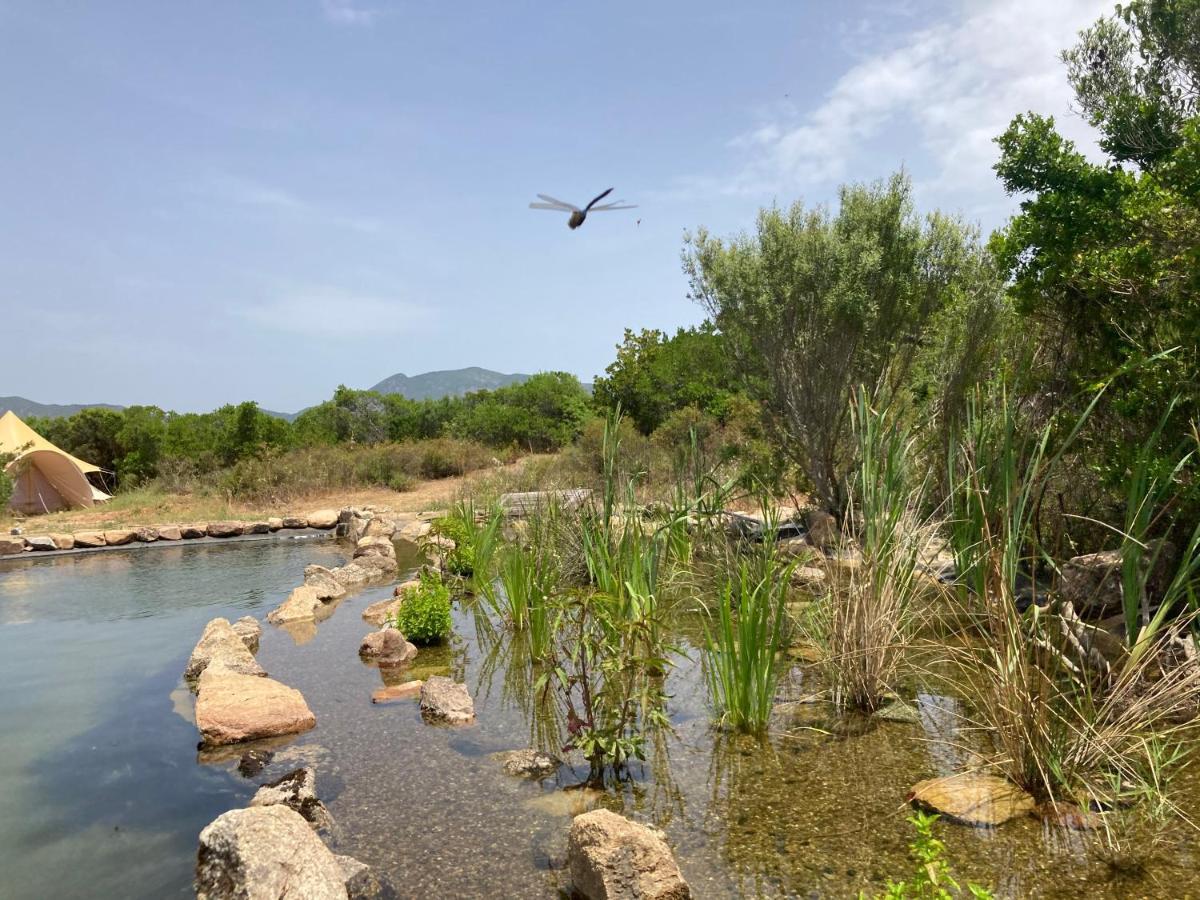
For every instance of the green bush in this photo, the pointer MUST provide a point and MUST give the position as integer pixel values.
(461, 560)
(424, 616)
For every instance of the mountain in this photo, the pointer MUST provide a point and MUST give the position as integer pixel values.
(27, 408)
(448, 383)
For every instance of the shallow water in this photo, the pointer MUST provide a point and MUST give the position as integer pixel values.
(102, 793)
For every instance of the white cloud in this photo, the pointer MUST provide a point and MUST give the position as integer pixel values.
(283, 204)
(954, 86)
(337, 314)
(345, 12)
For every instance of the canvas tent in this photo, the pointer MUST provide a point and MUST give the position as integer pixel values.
(46, 478)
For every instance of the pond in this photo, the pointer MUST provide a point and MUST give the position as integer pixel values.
(103, 793)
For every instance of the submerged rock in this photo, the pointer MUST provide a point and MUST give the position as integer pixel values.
(446, 700)
(528, 763)
(266, 852)
(972, 799)
(300, 606)
(222, 644)
(321, 580)
(363, 882)
(296, 790)
(232, 708)
(571, 802)
(390, 692)
(1067, 815)
(612, 858)
(254, 761)
(899, 711)
(388, 647)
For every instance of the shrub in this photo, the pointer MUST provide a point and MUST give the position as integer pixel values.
(424, 616)
(461, 560)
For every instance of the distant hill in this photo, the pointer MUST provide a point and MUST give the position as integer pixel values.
(29, 408)
(448, 383)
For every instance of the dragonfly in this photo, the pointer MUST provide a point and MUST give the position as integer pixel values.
(577, 214)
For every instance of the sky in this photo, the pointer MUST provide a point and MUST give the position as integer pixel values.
(212, 202)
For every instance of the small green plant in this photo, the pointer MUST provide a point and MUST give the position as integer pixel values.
(461, 560)
(931, 878)
(742, 657)
(424, 616)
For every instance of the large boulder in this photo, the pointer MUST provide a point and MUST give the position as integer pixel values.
(295, 522)
(169, 533)
(296, 790)
(387, 647)
(377, 566)
(193, 530)
(248, 629)
(612, 858)
(220, 643)
(972, 799)
(147, 534)
(256, 528)
(90, 539)
(352, 575)
(380, 527)
(322, 518)
(40, 542)
(446, 700)
(415, 530)
(63, 540)
(300, 605)
(232, 708)
(266, 853)
(274, 523)
(321, 580)
(10, 546)
(375, 546)
(116, 537)
(224, 529)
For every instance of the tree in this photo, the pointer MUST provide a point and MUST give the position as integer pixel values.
(655, 375)
(545, 412)
(814, 304)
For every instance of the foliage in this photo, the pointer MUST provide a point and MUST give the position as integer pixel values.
(741, 658)
(7, 485)
(655, 375)
(932, 878)
(814, 304)
(545, 412)
(424, 616)
(454, 527)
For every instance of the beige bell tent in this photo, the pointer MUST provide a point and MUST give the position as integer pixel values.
(46, 478)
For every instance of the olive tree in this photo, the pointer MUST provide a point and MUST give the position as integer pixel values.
(815, 303)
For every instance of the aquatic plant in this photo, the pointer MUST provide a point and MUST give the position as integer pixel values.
(424, 616)
(741, 654)
(866, 623)
(932, 878)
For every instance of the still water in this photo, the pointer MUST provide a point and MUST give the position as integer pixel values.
(103, 793)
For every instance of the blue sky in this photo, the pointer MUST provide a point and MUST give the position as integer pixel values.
(206, 203)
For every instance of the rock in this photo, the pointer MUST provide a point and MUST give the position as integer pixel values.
(404, 587)
(256, 528)
(362, 882)
(169, 533)
(351, 575)
(322, 518)
(899, 711)
(387, 647)
(380, 527)
(221, 644)
(446, 700)
(90, 539)
(383, 611)
(224, 529)
(190, 532)
(414, 531)
(1092, 582)
(40, 542)
(612, 858)
(274, 523)
(392, 692)
(824, 533)
(254, 761)
(63, 541)
(972, 799)
(375, 546)
(808, 577)
(295, 522)
(266, 853)
(528, 763)
(794, 548)
(119, 536)
(10, 546)
(248, 629)
(232, 708)
(321, 580)
(1067, 815)
(571, 802)
(354, 528)
(377, 566)
(147, 534)
(300, 605)
(296, 790)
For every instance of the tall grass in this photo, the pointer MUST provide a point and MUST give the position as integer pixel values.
(742, 651)
(866, 624)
